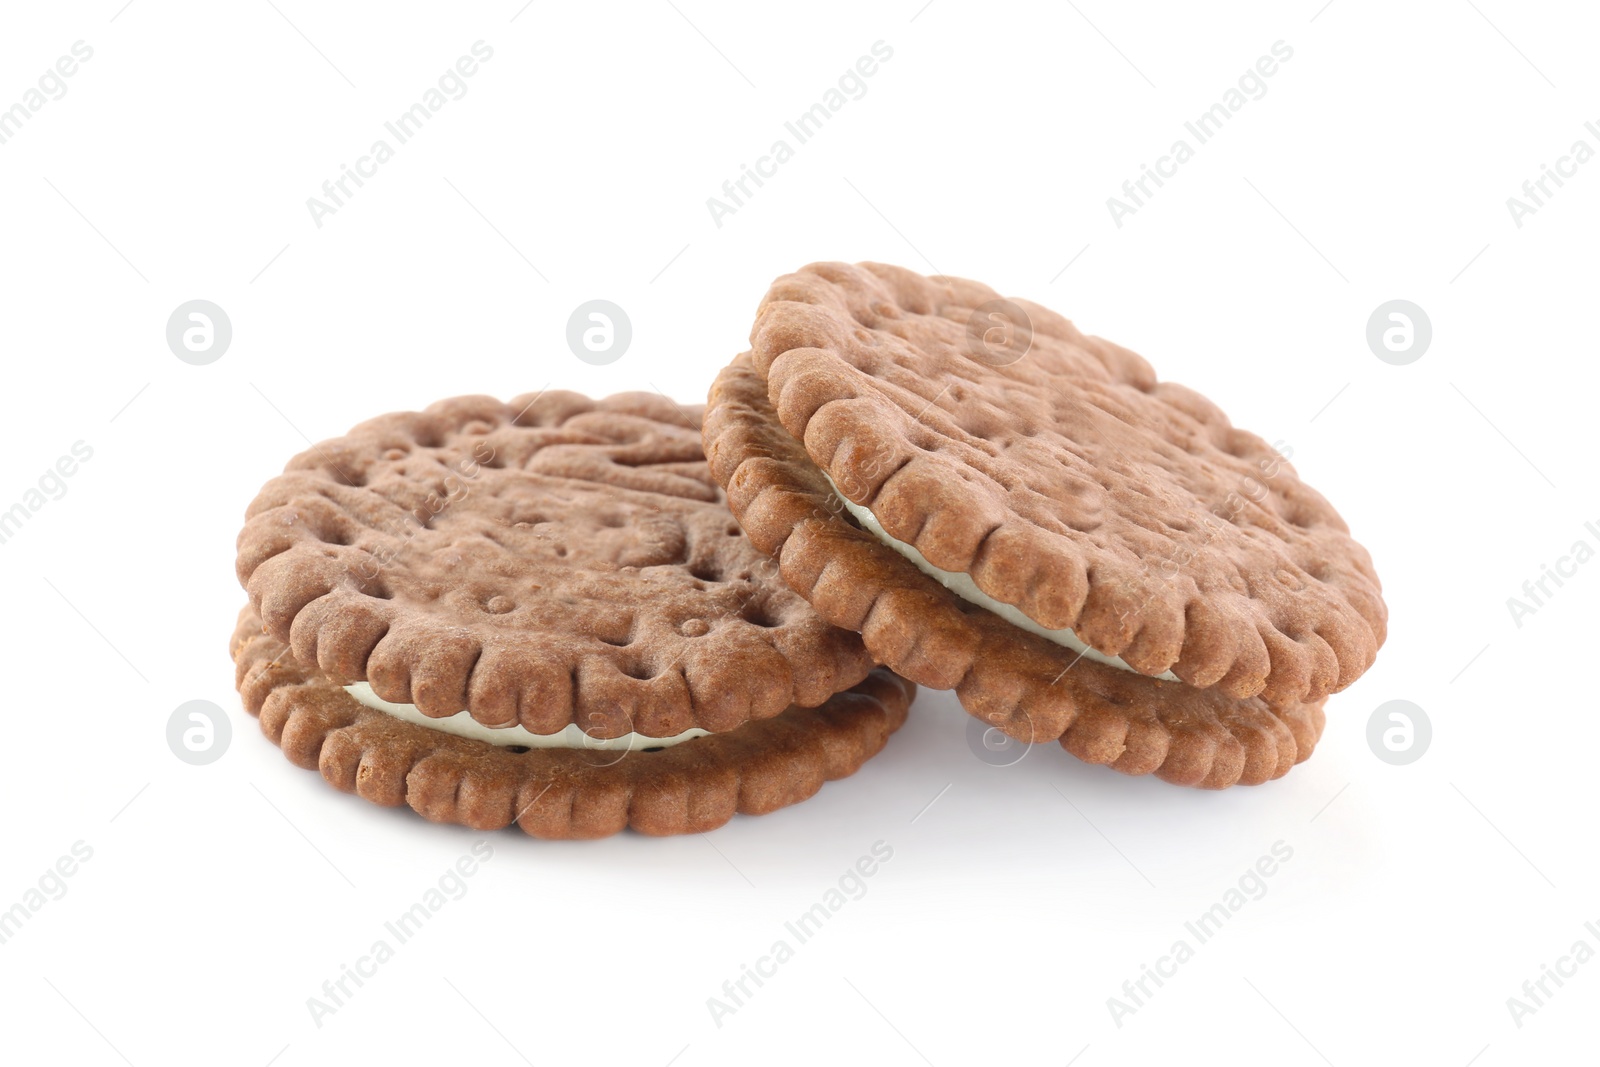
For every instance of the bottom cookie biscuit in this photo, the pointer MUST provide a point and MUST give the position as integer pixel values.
(1188, 737)
(689, 787)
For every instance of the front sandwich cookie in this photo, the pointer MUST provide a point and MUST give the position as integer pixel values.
(542, 613)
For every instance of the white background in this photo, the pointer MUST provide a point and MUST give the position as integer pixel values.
(1377, 166)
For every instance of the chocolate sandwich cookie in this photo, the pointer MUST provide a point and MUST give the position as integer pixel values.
(462, 606)
(1004, 506)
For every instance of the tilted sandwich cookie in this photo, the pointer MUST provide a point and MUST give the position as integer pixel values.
(541, 613)
(1004, 506)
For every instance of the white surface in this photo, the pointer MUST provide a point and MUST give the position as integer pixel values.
(1017, 900)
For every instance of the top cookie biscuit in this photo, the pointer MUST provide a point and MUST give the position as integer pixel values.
(550, 561)
(1056, 471)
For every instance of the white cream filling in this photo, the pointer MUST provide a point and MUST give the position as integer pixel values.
(462, 724)
(962, 585)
